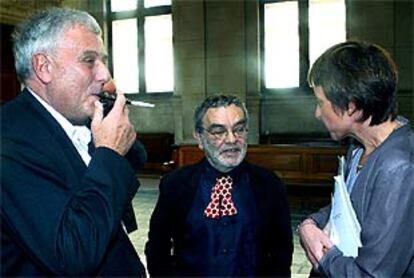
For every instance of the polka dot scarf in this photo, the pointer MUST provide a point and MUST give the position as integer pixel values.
(221, 203)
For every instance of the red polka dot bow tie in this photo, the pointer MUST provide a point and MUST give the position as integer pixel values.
(221, 203)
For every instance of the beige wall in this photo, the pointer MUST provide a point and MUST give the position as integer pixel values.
(388, 23)
(216, 50)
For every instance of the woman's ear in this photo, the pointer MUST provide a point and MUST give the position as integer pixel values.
(352, 111)
(42, 67)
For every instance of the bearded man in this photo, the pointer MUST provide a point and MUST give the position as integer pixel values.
(222, 216)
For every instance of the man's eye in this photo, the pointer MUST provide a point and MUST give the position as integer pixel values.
(239, 129)
(217, 131)
(89, 60)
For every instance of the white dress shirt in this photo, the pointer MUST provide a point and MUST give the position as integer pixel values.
(79, 135)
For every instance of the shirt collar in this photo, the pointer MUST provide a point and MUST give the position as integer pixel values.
(82, 132)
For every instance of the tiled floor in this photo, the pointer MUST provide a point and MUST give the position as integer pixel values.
(144, 203)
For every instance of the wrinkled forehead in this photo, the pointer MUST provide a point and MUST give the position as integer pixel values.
(225, 116)
(79, 37)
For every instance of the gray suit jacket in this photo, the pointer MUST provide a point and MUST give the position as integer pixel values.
(383, 199)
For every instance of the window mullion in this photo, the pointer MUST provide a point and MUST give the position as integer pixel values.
(262, 46)
(141, 47)
(303, 41)
(109, 38)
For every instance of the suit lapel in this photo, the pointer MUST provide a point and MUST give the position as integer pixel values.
(188, 189)
(56, 133)
(259, 191)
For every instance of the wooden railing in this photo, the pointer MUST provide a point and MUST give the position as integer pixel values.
(303, 163)
(306, 164)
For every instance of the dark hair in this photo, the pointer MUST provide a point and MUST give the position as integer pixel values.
(359, 72)
(214, 102)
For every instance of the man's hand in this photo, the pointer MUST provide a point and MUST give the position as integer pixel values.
(315, 242)
(115, 131)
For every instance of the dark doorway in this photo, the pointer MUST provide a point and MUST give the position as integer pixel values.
(9, 85)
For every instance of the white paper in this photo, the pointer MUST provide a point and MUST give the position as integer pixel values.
(344, 228)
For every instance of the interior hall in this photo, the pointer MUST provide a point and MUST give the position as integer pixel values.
(175, 53)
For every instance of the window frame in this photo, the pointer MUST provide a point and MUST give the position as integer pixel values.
(303, 31)
(140, 13)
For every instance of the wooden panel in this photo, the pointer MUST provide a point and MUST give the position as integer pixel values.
(304, 164)
(267, 157)
(323, 163)
(158, 145)
(189, 155)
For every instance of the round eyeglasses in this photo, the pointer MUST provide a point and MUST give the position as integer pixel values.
(220, 132)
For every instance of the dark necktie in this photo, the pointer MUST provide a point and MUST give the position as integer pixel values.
(91, 147)
(221, 203)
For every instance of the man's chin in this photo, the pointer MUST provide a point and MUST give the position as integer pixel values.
(231, 161)
(85, 119)
(82, 122)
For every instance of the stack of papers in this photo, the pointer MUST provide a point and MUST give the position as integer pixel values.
(343, 227)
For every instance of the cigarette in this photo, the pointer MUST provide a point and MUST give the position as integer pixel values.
(105, 96)
(140, 103)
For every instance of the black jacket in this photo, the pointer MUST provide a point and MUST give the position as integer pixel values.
(59, 217)
(168, 222)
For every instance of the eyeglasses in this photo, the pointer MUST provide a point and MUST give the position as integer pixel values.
(220, 132)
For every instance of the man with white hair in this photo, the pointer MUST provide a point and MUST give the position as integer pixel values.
(63, 199)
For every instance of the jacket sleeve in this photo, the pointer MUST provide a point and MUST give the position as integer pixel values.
(387, 229)
(322, 216)
(63, 219)
(159, 246)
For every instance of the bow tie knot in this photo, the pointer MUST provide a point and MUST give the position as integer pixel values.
(221, 203)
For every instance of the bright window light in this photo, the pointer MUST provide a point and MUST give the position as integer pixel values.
(123, 5)
(154, 3)
(159, 70)
(326, 25)
(281, 45)
(125, 53)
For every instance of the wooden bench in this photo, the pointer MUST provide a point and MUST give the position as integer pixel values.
(306, 164)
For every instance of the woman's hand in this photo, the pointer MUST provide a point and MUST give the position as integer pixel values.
(315, 242)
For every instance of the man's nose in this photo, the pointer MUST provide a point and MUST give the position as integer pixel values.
(230, 137)
(102, 73)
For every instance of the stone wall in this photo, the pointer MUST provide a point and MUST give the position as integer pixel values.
(216, 50)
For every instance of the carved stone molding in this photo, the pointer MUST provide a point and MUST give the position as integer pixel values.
(12, 12)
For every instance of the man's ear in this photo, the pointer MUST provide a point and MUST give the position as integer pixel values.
(197, 136)
(42, 67)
